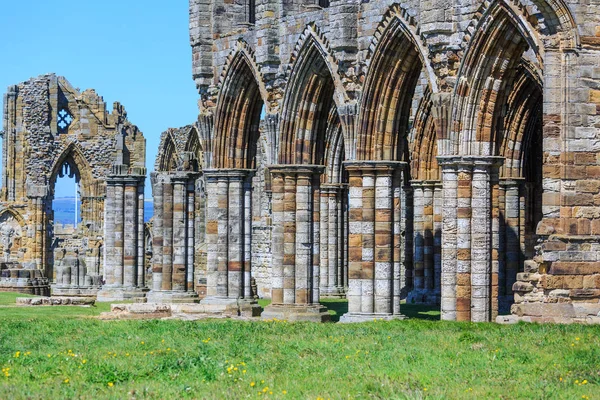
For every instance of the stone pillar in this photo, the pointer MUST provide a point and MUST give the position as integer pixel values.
(371, 241)
(449, 238)
(295, 278)
(124, 196)
(481, 244)
(173, 231)
(157, 228)
(331, 218)
(406, 235)
(438, 203)
(467, 237)
(511, 239)
(424, 270)
(228, 234)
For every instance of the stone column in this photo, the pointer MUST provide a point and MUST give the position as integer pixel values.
(437, 240)
(294, 272)
(463, 241)
(157, 227)
(449, 238)
(467, 237)
(228, 236)
(481, 244)
(330, 242)
(511, 239)
(173, 230)
(371, 241)
(124, 196)
(418, 240)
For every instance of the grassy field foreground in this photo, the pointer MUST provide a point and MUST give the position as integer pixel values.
(65, 353)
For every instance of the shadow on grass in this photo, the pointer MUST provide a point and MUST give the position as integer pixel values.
(421, 311)
(339, 307)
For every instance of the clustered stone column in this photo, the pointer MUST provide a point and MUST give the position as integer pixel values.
(426, 265)
(374, 285)
(467, 237)
(228, 235)
(295, 271)
(174, 231)
(332, 242)
(124, 276)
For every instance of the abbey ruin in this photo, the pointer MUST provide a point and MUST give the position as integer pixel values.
(431, 152)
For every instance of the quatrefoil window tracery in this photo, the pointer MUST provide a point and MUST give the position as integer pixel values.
(64, 119)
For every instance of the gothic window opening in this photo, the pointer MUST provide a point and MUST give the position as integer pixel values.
(64, 120)
(66, 204)
(323, 3)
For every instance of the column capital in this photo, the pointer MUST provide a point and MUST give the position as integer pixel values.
(235, 173)
(511, 182)
(371, 167)
(296, 169)
(424, 183)
(452, 161)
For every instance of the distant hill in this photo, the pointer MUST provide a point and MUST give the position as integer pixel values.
(64, 210)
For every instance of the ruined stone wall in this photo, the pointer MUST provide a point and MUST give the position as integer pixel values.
(495, 104)
(49, 124)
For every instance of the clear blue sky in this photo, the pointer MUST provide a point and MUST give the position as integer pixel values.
(132, 51)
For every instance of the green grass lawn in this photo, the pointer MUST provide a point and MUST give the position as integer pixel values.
(62, 352)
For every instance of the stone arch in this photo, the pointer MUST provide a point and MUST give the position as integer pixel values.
(522, 120)
(334, 151)
(238, 112)
(312, 36)
(168, 158)
(397, 62)
(74, 157)
(486, 75)
(548, 17)
(314, 88)
(423, 143)
(395, 18)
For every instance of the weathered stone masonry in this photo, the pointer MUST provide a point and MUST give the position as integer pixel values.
(52, 129)
(428, 151)
(462, 138)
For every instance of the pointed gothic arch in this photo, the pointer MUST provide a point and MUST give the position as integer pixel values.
(397, 62)
(237, 116)
(311, 94)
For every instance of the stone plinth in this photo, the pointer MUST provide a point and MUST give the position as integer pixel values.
(181, 311)
(75, 291)
(55, 301)
(26, 281)
(296, 313)
(369, 317)
(172, 296)
(108, 294)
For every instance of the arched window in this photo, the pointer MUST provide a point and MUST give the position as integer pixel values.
(324, 3)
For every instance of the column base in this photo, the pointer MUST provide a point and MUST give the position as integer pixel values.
(423, 296)
(336, 292)
(296, 313)
(228, 306)
(172, 296)
(75, 291)
(369, 317)
(108, 294)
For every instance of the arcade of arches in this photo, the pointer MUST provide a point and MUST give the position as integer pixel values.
(366, 150)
